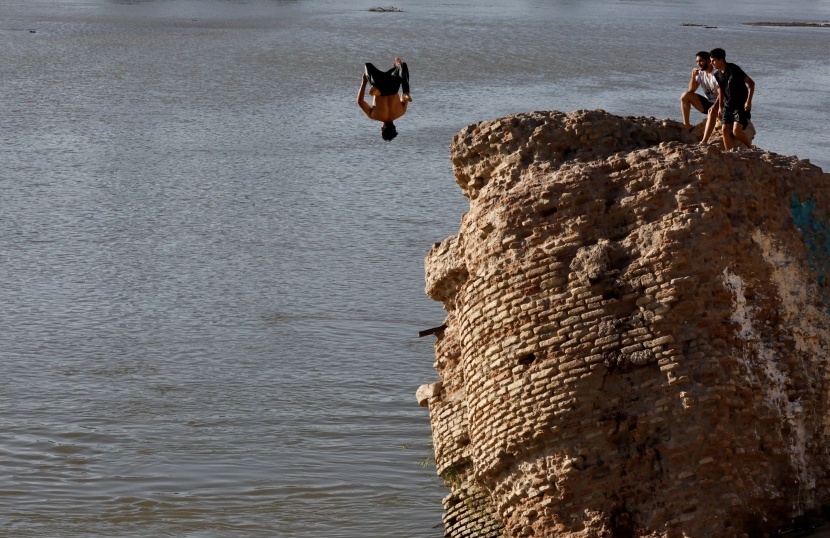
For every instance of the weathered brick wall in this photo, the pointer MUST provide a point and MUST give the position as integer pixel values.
(636, 333)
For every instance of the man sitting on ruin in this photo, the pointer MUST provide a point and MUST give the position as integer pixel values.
(734, 99)
(387, 105)
(702, 77)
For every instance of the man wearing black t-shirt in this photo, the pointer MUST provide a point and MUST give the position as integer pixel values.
(734, 99)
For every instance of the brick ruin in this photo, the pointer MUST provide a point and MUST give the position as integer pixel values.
(636, 339)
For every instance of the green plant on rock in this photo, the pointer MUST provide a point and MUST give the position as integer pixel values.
(451, 475)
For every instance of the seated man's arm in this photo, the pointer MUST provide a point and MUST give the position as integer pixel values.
(751, 85)
(360, 97)
(693, 83)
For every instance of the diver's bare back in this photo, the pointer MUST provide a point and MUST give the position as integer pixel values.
(386, 107)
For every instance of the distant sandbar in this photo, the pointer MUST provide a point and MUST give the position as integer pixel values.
(822, 24)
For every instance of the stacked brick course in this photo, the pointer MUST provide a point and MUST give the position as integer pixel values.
(636, 335)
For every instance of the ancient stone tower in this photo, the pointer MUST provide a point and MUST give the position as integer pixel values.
(636, 340)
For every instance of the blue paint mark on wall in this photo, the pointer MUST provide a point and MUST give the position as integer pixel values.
(816, 236)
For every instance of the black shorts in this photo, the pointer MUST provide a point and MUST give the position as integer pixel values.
(731, 115)
(388, 82)
(705, 103)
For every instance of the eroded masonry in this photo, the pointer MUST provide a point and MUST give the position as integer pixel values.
(636, 340)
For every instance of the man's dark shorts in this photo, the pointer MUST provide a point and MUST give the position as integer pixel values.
(704, 102)
(732, 115)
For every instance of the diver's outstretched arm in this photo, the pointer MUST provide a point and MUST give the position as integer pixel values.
(360, 97)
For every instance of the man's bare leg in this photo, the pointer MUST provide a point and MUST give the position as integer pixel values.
(711, 120)
(738, 132)
(728, 142)
(687, 100)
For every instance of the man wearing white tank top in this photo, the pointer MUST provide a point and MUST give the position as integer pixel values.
(703, 77)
